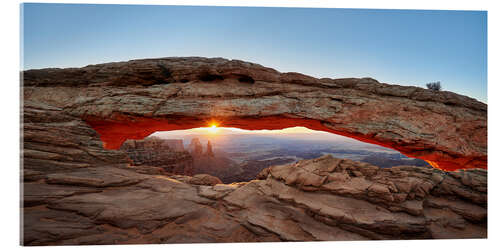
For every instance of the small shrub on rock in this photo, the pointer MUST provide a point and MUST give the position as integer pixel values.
(434, 86)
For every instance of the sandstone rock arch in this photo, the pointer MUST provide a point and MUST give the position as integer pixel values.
(130, 100)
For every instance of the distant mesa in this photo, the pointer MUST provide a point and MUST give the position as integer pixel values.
(168, 155)
(195, 148)
(175, 145)
(209, 151)
(208, 162)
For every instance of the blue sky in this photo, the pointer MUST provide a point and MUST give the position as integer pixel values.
(406, 47)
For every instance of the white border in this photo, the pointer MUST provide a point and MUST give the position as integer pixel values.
(9, 28)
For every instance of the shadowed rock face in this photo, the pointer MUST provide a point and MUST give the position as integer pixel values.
(130, 100)
(319, 199)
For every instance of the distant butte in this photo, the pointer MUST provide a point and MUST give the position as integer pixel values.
(131, 100)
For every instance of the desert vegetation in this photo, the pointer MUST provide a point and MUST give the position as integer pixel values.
(434, 86)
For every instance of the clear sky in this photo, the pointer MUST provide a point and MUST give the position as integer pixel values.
(406, 47)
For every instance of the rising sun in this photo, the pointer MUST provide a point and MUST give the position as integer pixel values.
(213, 129)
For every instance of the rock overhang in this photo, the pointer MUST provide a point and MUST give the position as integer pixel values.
(130, 100)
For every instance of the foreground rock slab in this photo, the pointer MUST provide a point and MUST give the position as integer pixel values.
(320, 199)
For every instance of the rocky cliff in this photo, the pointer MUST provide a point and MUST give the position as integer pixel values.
(206, 162)
(175, 144)
(209, 152)
(130, 100)
(195, 147)
(75, 187)
(319, 199)
(155, 152)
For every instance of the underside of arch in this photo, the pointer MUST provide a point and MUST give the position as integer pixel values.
(114, 133)
(130, 100)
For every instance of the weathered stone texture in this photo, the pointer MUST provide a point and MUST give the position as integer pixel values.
(130, 100)
(77, 191)
(319, 199)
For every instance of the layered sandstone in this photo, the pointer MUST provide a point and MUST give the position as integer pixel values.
(319, 199)
(76, 190)
(155, 152)
(130, 100)
(54, 141)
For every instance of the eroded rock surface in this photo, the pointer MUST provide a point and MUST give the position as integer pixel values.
(156, 152)
(54, 141)
(319, 199)
(75, 191)
(130, 100)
